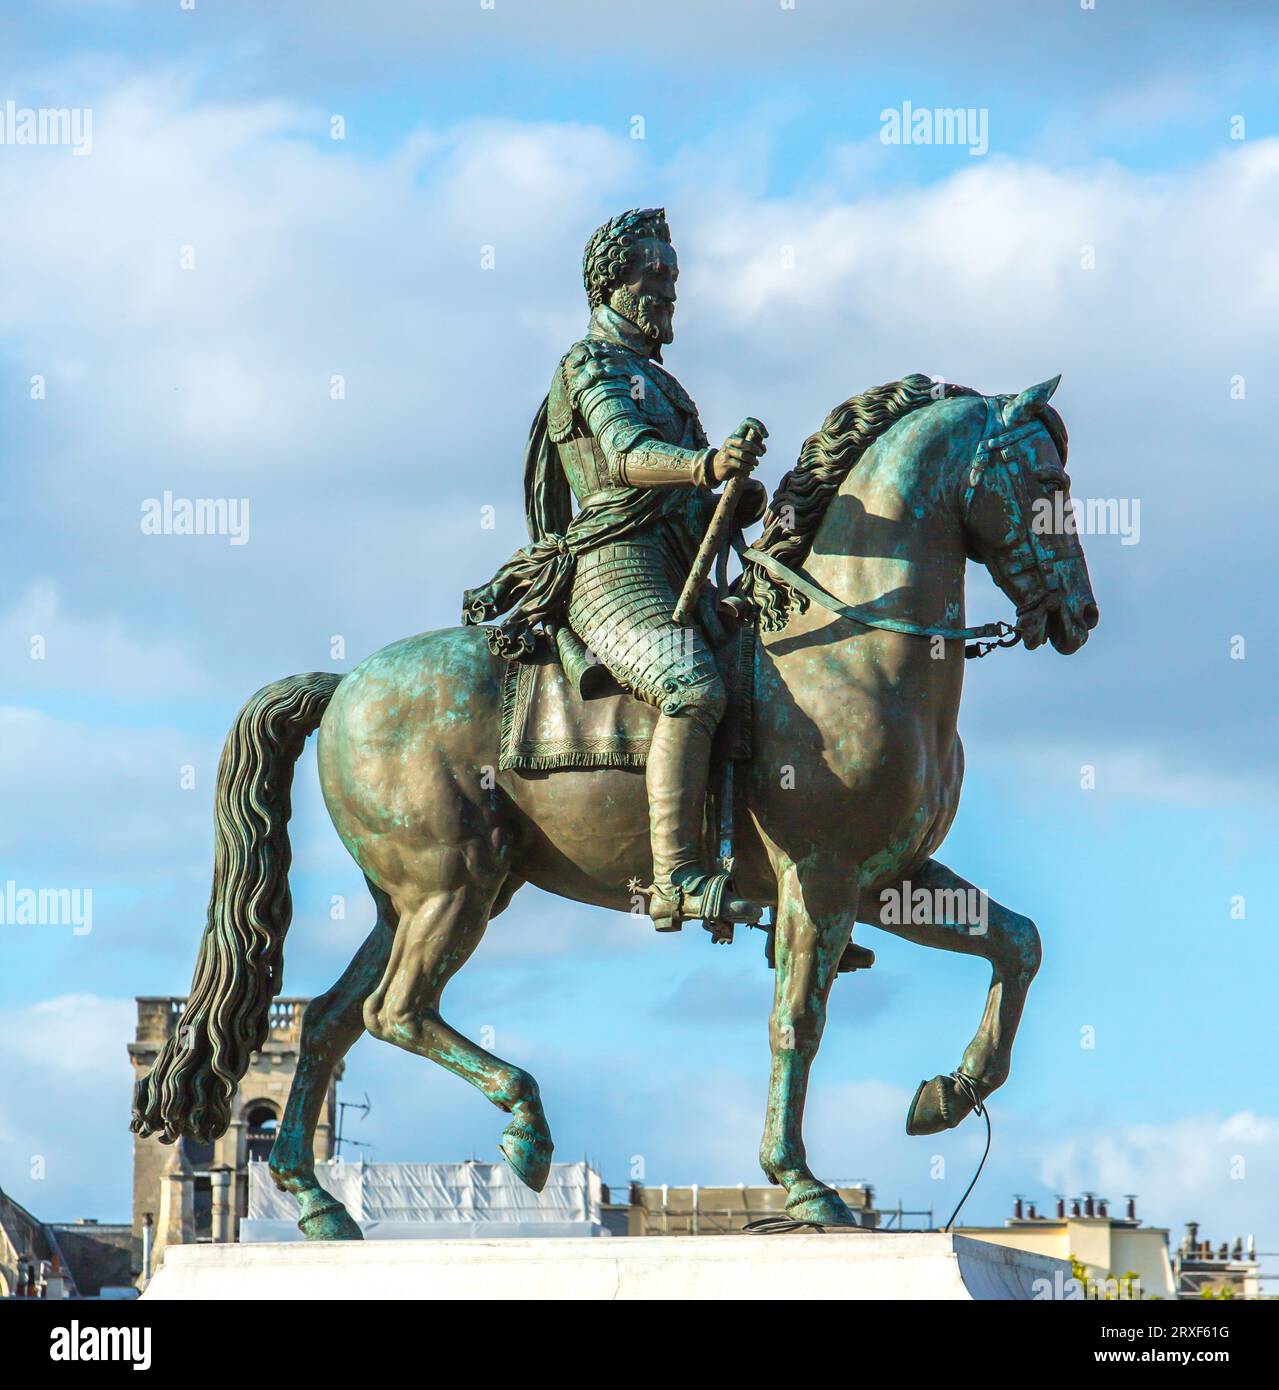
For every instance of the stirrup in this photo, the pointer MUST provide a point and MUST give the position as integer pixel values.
(670, 905)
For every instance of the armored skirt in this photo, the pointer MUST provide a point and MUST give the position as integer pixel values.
(621, 602)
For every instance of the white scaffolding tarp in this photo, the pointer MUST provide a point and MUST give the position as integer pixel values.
(423, 1200)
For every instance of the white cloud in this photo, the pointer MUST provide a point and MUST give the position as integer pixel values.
(52, 650)
(1221, 1170)
(64, 1141)
(100, 800)
(78, 1038)
(974, 272)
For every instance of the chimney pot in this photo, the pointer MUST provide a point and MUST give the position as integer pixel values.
(1131, 1208)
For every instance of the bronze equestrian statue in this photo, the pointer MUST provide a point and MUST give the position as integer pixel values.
(857, 589)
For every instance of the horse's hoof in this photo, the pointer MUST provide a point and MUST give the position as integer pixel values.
(329, 1222)
(528, 1149)
(819, 1205)
(938, 1105)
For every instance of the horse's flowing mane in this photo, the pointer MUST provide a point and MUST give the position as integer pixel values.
(824, 462)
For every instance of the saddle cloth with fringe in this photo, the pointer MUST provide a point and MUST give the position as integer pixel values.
(547, 724)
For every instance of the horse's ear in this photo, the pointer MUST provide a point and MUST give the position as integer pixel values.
(1027, 404)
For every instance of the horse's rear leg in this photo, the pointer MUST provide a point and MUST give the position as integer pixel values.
(438, 930)
(331, 1025)
(985, 928)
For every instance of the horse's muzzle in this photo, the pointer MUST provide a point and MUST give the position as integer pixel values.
(1068, 624)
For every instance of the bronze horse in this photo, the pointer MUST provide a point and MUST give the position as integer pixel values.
(854, 782)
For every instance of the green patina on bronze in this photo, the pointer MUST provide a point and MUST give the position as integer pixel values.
(852, 783)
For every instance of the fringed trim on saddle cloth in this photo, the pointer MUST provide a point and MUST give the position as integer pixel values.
(546, 725)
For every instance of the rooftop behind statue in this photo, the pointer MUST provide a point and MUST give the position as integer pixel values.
(857, 586)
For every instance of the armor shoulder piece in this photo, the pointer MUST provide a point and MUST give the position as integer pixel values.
(559, 407)
(592, 363)
(595, 381)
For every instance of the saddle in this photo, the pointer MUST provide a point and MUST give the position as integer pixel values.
(559, 711)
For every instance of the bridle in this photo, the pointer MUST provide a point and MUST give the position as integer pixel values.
(991, 465)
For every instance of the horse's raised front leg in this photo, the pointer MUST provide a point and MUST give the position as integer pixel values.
(816, 912)
(955, 916)
(331, 1025)
(440, 925)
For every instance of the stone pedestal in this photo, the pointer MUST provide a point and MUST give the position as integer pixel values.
(867, 1265)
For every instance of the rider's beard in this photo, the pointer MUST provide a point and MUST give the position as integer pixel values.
(649, 313)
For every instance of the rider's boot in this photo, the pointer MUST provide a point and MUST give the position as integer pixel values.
(684, 889)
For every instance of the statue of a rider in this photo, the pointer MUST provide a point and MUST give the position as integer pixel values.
(619, 431)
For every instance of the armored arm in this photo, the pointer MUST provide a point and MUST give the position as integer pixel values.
(651, 462)
(632, 445)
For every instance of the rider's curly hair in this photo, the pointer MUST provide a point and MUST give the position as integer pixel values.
(609, 254)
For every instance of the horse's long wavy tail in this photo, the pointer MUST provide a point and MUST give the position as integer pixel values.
(240, 966)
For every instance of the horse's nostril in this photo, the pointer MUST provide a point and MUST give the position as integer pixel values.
(1092, 616)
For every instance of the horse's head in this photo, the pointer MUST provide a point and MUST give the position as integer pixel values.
(1020, 524)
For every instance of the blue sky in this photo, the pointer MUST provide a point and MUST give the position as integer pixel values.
(1109, 129)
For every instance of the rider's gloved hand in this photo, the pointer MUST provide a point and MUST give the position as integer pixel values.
(740, 453)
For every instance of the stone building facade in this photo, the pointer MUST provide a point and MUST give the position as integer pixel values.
(715, 1211)
(192, 1192)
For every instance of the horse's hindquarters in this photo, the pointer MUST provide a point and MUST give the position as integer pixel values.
(408, 756)
(408, 753)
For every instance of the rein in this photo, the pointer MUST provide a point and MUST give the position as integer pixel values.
(1001, 634)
